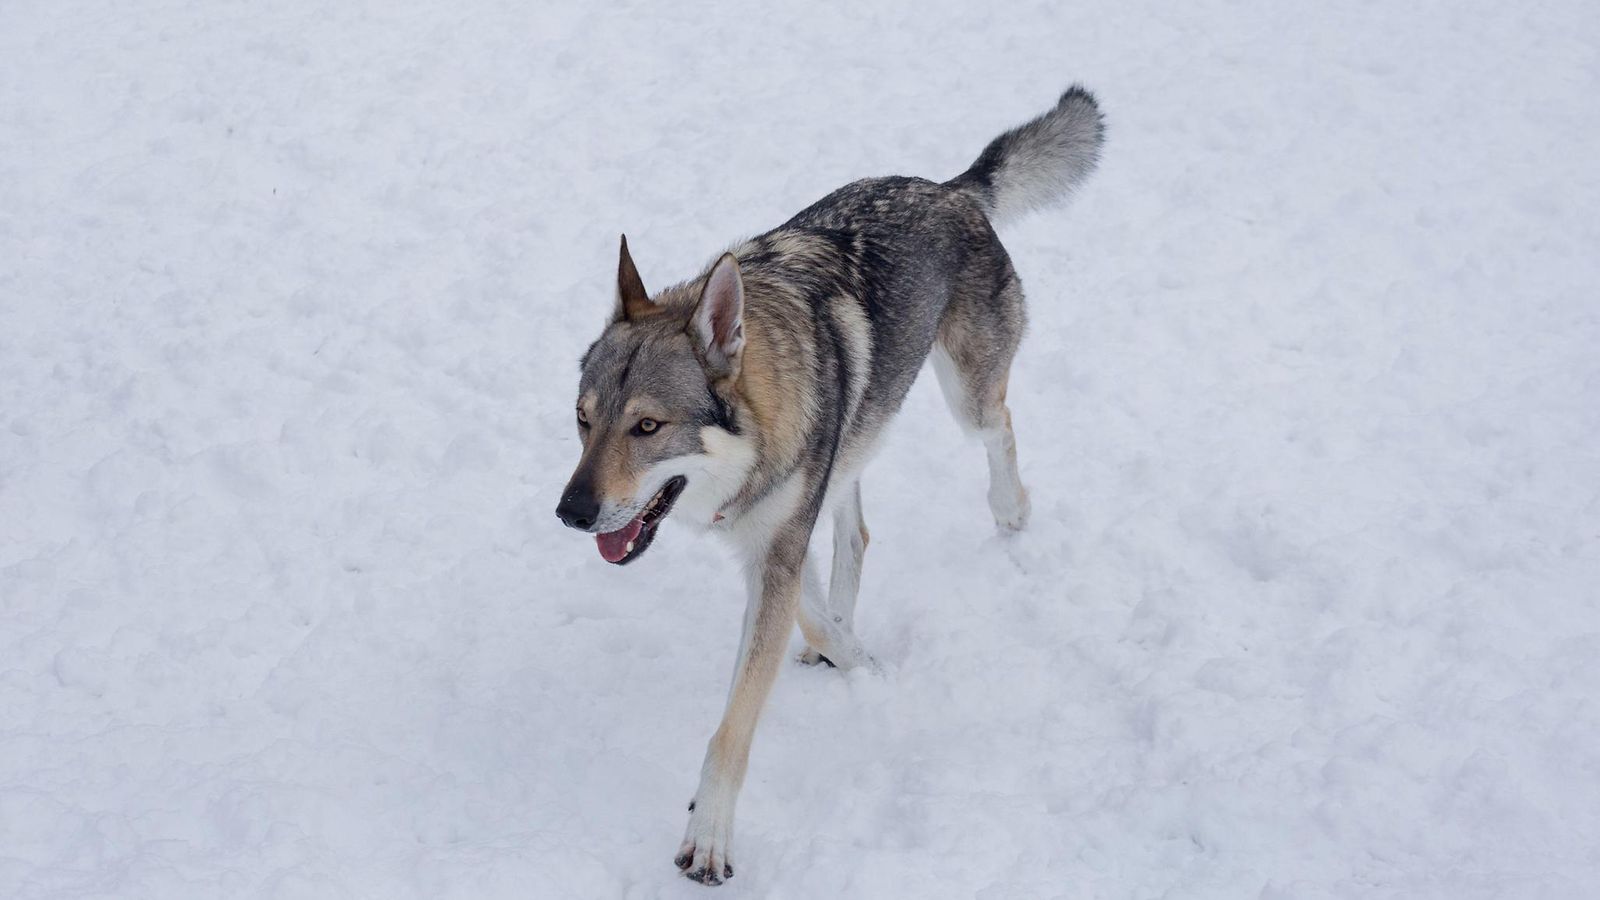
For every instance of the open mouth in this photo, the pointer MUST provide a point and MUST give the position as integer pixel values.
(628, 543)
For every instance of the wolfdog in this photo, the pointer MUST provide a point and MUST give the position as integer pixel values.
(747, 399)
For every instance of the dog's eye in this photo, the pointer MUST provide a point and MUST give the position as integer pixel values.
(583, 420)
(646, 426)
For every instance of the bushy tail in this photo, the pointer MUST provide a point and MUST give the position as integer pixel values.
(1037, 164)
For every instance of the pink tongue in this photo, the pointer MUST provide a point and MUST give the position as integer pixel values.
(614, 544)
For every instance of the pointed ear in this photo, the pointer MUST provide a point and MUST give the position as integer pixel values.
(632, 300)
(718, 321)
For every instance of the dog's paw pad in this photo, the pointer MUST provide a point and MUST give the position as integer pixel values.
(709, 876)
(706, 873)
(703, 856)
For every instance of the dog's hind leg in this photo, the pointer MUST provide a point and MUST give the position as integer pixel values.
(977, 341)
(828, 620)
(850, 539)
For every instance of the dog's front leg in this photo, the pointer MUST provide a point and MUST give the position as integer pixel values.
(774, 585)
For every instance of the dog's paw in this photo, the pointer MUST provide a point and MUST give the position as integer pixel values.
(1011, 514)
(850, 657)
(810, 657)
(705, 865)
(704, 856)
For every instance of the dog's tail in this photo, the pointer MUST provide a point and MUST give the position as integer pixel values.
(1037, 164)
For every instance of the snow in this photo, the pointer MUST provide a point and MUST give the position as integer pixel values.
(291, 297)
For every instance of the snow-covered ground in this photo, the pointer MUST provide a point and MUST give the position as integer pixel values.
(291, 296)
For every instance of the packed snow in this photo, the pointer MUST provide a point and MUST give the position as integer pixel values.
(291, 299)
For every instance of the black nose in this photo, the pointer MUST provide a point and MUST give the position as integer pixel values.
(579, 509)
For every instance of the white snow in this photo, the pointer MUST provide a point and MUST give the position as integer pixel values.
(291, 297)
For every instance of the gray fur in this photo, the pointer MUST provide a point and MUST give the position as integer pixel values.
(1039, 163)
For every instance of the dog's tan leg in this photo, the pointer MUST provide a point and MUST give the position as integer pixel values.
(828, 621)
(1008, 499)
(850, 540)
(978, 399)
(775, 584)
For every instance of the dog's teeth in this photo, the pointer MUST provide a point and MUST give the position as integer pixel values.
(630, 547)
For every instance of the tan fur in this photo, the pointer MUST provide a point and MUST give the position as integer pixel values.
(616, 478)
(856, 332)
(759, 669)
(774, 377)
(771, 398)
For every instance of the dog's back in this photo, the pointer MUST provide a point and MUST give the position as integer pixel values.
(885, 268)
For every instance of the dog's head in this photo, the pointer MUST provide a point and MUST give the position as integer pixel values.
(658, 410)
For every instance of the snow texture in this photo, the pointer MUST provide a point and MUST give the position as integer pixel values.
(291, 296)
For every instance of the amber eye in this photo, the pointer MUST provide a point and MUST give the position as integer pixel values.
(583, 420)
(646, 426)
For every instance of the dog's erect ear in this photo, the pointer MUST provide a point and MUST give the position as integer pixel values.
(632, 301)
(718, 322)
